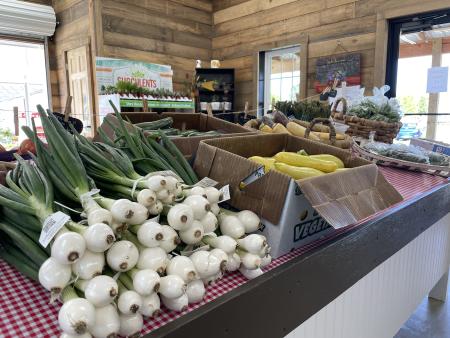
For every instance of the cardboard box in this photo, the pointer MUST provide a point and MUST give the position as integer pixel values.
(431, 145)
(184, 121)
(294, 213)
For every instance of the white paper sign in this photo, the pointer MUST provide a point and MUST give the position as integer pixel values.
(225, 193)
(437, 80)
(206, 182)
(51, 226)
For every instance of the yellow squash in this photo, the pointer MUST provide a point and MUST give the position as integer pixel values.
(265, 128)
(267, 162)
(296, 129)
(297, 173)
(305, 161)
(328, 157)
(278, 128)
(326, 136)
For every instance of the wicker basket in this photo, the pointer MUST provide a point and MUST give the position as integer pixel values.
(384, 131)
(344, 144)
(392, 162)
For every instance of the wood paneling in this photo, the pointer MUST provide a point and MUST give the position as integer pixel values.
(175, 33)
(243, 28)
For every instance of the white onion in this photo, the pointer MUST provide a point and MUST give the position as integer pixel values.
(150, 234)
(182, 266)
(150, 305)
(91, 264)
(162, 194)
(209, 222)
(131, 325)
(197, 191)
(129, 302)
(99, 215)
(224, 242)
(172, 286)
(171, 183)
(250, 273)
(145, 281)
(154, 259)
(206, 264)
(156, 208)
(99, 237)
(200, 205)
(156, 183)
(211, 280)
(124, 210)
(253, 243)
(54, 276)
(195, 291)
(266, 260)
(193, 234)
(76, 316)
(85, 335)
(146, 197)
(170, 239)
(169, 199)
(231, 226)
(68, 247)
(250, 220)
(176, 304)
(122, 256)
(180, 217)
(107, 322)
(101, 290)
(233, 263)
(215, 209)
(249, 261)
(212, 195)
(179, 190)
(119, 227)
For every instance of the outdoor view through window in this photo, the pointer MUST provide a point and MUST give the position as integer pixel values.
(23, 84)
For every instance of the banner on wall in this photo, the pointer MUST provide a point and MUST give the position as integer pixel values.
(149, 75)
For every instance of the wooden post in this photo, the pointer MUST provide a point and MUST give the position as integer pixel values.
(68, 108)
(433, 103)
(16, 120)
(209, 109)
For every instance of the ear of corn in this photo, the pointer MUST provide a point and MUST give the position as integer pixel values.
(280, 129)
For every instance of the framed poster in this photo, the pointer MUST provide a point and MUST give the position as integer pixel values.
(338, 69)
(149, 75)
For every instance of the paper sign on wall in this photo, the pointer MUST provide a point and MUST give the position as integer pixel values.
(437, 80)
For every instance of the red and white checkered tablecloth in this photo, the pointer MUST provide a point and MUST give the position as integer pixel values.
(24, 305)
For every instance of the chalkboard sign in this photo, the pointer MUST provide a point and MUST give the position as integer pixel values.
(341, 68)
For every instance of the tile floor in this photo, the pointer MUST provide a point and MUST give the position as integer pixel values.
(431, 320)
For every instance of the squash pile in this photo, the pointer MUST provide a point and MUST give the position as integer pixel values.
(300, 165)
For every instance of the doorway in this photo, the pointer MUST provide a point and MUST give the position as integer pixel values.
(417, 71)
(23, 85)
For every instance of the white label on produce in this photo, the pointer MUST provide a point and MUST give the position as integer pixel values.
(51, 226)
(86, 196)
(257, 174)
(225, 193)
(206, 182)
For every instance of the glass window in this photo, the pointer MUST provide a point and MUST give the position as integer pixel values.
(282, 76)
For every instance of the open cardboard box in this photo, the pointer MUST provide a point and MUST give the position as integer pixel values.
(184, 121)
(294, 213)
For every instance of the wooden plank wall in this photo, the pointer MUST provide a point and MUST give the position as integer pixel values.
(172, 32)
(241, 28)
(71, 32)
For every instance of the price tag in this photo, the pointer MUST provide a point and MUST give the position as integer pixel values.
(224, 193)
(257, 174)
(206, 182)
(51, 226)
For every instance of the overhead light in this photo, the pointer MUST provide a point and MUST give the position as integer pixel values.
(27, 19)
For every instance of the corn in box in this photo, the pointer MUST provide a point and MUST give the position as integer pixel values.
(294, 213)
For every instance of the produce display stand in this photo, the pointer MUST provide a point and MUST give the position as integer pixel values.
(294, 287)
